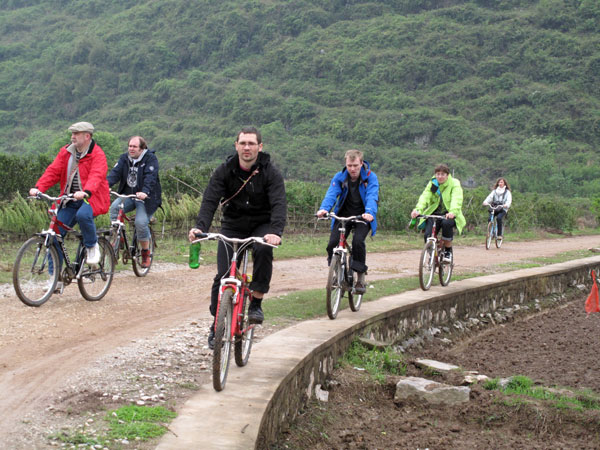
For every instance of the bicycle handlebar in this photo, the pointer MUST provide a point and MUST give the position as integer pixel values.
(331, 215)
(42, 196)
(221, 237)
(429, 216)
(134, 196)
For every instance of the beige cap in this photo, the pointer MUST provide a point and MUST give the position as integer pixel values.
(82, 127)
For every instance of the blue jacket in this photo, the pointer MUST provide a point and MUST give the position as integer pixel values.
(147, 180)
(368, 189)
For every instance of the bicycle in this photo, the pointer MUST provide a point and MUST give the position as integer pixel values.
(232, 323)
(119, 241)
(36, 272)
(492, 228)
(340, 278)
(432, 257)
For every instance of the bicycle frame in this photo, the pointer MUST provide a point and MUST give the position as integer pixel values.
(53, 234)
(495, 223)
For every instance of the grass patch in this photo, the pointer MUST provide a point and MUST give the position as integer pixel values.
(522, 386)
(377, 363)
(143, 422)
(129, 422)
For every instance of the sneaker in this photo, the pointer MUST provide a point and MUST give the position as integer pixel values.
(93, 255)
(146, 258)
(211, 337)
(361, 285)
(447, 258)
(59, 288)
(255, 313)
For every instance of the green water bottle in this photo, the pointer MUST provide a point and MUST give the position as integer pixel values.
(412, 223)
(194, 261)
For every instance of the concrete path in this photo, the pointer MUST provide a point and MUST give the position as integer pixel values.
(231, 419)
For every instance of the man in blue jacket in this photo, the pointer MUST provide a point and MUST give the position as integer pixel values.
(137, 173)
(353, 191)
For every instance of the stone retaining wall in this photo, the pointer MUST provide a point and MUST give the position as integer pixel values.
(393, 320)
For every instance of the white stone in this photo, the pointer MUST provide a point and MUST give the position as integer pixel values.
(436, 365)
(321, 394)
(430, 391)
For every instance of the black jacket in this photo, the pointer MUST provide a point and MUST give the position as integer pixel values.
(148, 180)
(261, 201)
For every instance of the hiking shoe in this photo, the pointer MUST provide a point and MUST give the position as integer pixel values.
(146, 258)
(93, 255)
(361, 285)
(211, 337)
(447, 258)
(255, 313)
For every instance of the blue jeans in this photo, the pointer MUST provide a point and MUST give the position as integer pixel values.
(77, 212)
(141, 217)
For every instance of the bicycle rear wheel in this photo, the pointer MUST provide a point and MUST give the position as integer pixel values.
(445, 270)
(335, 289)
(355, 300)
(136, 261)
(36, 270)
(95, 280)
(489, 235)
(427, 265)
(243, 342)
(222, 350)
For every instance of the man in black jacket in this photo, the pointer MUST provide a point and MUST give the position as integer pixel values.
(251, 192)
(137, 173)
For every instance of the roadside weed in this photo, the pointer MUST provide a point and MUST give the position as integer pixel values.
(376, 362)
(143, 422)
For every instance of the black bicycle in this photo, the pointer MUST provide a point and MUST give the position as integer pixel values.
(131, 250)
(37, 274)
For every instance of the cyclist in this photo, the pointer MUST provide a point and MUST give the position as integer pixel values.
(80, 168)
(500, 199)
(353, 191)
(137, 173)
(442, 196)
(251, 193)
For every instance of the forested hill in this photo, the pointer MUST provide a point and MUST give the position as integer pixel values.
(493, 87)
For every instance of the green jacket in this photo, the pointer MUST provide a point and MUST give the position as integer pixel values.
(452, 195)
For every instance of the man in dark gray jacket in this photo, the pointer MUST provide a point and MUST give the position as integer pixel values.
(137, 173)
(251, 192)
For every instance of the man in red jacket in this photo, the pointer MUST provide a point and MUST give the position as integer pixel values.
(81, 170)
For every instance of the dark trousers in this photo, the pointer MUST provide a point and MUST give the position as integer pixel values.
(262, 257)
(359, 248)
(499, 216)
(447, 226)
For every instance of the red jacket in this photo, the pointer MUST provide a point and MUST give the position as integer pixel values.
(92, 174)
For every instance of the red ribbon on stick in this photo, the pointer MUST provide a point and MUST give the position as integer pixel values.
(592, 304)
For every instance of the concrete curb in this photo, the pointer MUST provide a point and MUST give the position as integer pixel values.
(284, 367)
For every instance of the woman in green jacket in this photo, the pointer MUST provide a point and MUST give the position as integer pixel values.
(443, 196)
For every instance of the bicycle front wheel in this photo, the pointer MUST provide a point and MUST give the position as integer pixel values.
(445, 270)
(335, 289)
(355, 300)
(95, 280)
(115, 240)
(489, 235)
(243, 342)
(222, 350)
(36, 270)
(427, 265)
(136, 261)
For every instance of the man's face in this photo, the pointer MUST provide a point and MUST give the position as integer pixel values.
(81, 139)
(353, 167)
(247, 148)
(441, 177)
(134, 149)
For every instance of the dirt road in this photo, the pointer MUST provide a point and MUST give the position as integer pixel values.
(40, 347)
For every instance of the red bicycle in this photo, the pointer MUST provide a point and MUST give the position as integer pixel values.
(341, 278)
(232, 324)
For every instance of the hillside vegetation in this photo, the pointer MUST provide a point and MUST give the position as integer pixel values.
(493, 87)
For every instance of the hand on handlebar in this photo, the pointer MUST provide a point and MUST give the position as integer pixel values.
(414, 213)
(368, 217)
(192, 234)
(141, 195)
(33, 192)
(450, 215)
(322, 213)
